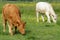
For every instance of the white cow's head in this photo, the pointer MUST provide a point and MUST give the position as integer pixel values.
(54, 18)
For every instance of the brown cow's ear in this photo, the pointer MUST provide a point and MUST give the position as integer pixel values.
(18, 24)
(24, 22)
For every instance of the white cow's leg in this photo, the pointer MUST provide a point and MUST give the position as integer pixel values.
(42, 17)
(47, 14)
(37, 15)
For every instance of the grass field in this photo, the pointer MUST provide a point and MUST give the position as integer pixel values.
(34, 30)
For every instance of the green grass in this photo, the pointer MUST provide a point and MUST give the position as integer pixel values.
(34, 30)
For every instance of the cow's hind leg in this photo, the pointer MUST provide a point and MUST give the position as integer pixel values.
(4, 25)
(37, 15)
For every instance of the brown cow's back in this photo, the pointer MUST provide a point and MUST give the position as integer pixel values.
(11, 12)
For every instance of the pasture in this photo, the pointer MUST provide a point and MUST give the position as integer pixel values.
(34, 30)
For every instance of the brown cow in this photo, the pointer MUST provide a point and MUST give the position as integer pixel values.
(12, 14)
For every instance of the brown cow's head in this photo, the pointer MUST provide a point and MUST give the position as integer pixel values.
(21, 27)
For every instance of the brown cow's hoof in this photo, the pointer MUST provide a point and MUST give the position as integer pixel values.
(4, 30)
(11, 34)
(23, 34)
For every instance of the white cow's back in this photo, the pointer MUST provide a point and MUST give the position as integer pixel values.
(43, 7)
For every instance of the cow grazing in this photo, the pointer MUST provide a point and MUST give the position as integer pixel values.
(45, 8)
(12, 15)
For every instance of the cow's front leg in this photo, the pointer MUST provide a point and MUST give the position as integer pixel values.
(10, 29)
(15, 29)
(42, 18)
(47, 14)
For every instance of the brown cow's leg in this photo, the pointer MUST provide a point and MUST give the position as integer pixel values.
(10, 29)
(15, 29)
(4, 25)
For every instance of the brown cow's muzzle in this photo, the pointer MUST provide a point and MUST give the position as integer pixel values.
(22, 31)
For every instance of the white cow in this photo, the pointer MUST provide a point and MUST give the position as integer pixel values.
(45, 8)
